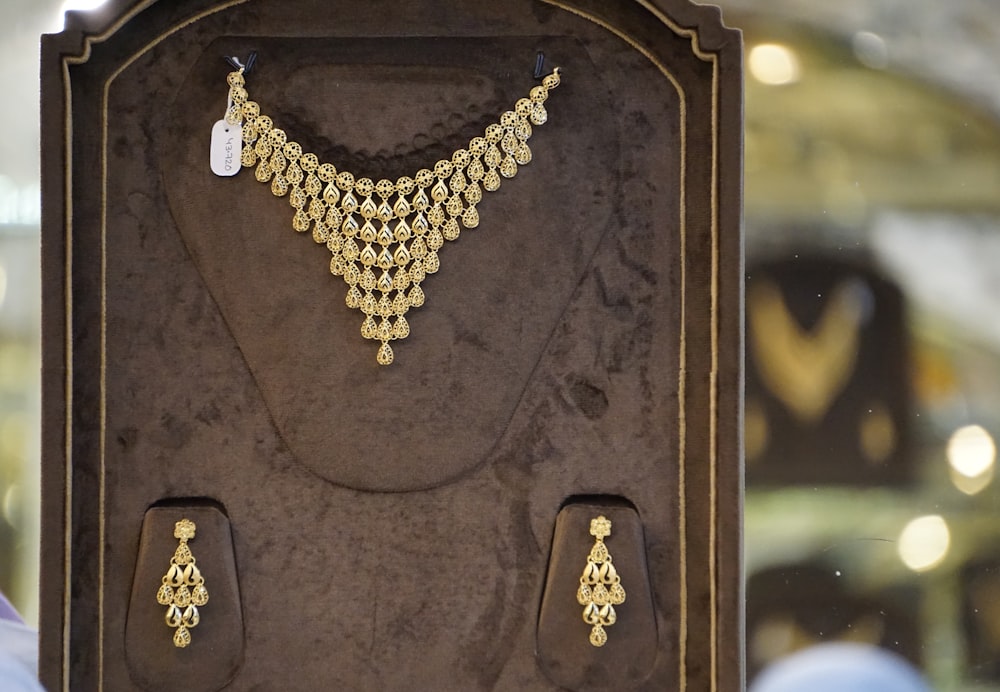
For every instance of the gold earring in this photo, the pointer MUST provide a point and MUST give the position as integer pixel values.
(600, 585)
(183, 589)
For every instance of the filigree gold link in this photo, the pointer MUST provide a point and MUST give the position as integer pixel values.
(425, 211)
(248, 157)
(508, 167)
(473, 194)
(539, 115)
(522, 155)
(297, 198)
(416, 296)
(454, 205)
(450, 230)
(367, 280)
(476, 171)
(353, 298)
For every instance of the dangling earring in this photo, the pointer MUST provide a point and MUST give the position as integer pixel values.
(600, 585)
(183, 589)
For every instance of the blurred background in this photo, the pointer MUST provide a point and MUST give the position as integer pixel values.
(873, 326)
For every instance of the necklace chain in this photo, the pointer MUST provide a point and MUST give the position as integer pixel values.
(396, 227)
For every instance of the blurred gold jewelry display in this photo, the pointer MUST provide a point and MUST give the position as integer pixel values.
(352, 216)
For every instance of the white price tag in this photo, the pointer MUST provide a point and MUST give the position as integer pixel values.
(227, 147)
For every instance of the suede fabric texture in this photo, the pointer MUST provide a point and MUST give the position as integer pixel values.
(392, 527)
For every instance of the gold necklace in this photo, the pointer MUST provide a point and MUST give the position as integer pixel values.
(425, 210)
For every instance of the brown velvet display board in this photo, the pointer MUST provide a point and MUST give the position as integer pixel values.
(393, 528)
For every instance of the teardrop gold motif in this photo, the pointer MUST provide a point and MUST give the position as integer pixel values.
(424, 210)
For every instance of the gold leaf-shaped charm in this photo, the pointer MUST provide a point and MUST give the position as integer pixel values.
(400, 305)
(402, 208)
(335, 242)
(436, 215)
(599, 553)
(401, 256)
(294, 173)
(353, 298)
(470, 219)
(491, 181)
(476, 170)
(607, 615)
(591, 614)
(368, 257)
(420, 200)
(583, 596)
(331, 194)
(401, 329)
(451, 230)
(431, 263)
(418, 248)
(385, 282)
(601, 596)
(384, 212)
(402, 231)
(165, 595)
(367, 280)
(320, 233)
(337, 265)
(385, 260)
(350, 251)
(508, 143)
(435, 240)
(262, 172)
(439, 192)
(182, 637)
(508, 168)
(419, 224)
(349, 228)
(385, 236)
(368, 233)
(385, 356)
(457, 182)
(402, 279)
(352, 274)
(368, 304)
(368, 208)
(279, 186)
(300, 222)
(616, 594)
(349, 203)
(609, 574)
(416, 296)
(312, 185)
(248, 157)
(297, 198)
(369, 328)
(473, 194)
(454, 205)
(492, 157)
(182, 597)
(384, 330)
(384, 309)
(277, 162)
(522, 155)
(333, 217)
(539, 115)
(191, 616)
(317, 210)
(183, 556)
